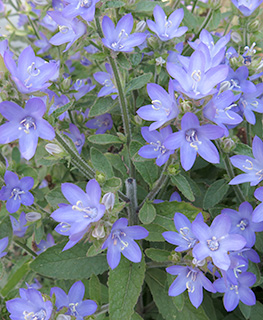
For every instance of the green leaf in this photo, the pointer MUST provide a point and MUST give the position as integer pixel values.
(165, 213)
(215, 193)
(125, 284)
(135, 316)
(104, 139)
(215, 20)
(39, 231)
(256, 311)
(147, 213)
(55, 196)
(189, 312)
(101, 106)
(178, 301)
(148, 171)
(157, 255)
(139, 82)
(155, 232)
(123, 61)
(183, 185)
(98, 56)
(243, 149)
(18, 272)
(70, 264)
(57, 112)
(95, 289)
(190, 19)
(115, 4)
(6, 230)
(245, 310)
(147, 6)
(112, 185)
(117, 163)
(156, 280)
(100, 162)
(135, 59)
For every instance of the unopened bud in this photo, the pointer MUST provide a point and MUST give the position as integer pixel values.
(160, 61)
(186, 106)
(140, 26)
(198, 263)
(228, 145)
(66, 84)
(53, 148)
(63, 317)
(98, 232)
(236, 37)
(100, 177)
(138, 119)
(122, 137)
(108, 200)
(33, 216)
(253, 26)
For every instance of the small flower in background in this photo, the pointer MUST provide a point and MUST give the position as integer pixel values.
(257, 215)
(106, 79)
(237, 81)
(253, 168)
(242, 222)
(215, 241)
(31, 305)
(25, 124)
(42, 43)
(77, 138)
(69, 30)
(73, 301)
(82, 8)
(119, 38)
(249, 103)
(59, 101)
(167, 28)
(19, 228)
(247, 7)
(163, 107)
(16, 191)
(193, 139)
(175, 196)
(236, 292)
(3, 245)
(44, 245)
(31, 73)
(35, 285)
(184, 238)
(82, 86)
(121, 240)
(191, 279)
(48, 23)
(156, 148)
(102, 123)
(84, 208)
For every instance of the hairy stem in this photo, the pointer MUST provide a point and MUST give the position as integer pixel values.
(25, 247)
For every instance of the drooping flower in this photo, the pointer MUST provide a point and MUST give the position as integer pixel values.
(253, 167)
(106, 79)
(76, 137)
(84, 208)
(175, 196)
(193, 79)
(43, 43)
(242, 222)
(19, 228)
(25, 124)
(247, 7)
(82, 86)
(74, 301)
(31, 305)
(16, 191)
(69, 30)
(163, 107)
(193, 139)
(83, 8)
(167, 28)
(31, 73)
(184, 238)
(155, 147)
(121, 240)
(102, 123)
(35, 285)
(119, 38)
(216, 241)
(191, 279)
(236, 292)
(44, 245)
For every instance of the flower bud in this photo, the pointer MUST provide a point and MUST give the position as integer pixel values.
(108, 200)
(98, 232)
(236, 37)
(198, 263)
(122, 137)
(53, 148)
(173, 169)
(33, 216)
(228, 145)
(63, 317)
(66, 84)
(100, 177)
(140, 26)
(253, 26)
(138, 119)
(160, 61)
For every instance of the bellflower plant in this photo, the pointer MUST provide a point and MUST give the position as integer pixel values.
(19, 228)
(31, 305)
(77, 138)
(84, 208)
(43, 245)
(31, 72)
(121, 240)
(26, 125)
(16, 191)
(257, 215)
(101, 123)
(119, 38)
(167, 28)
(74, 301)
(106, 79)
(82, 8)
(252, 167)
(163, 106)
(247, 7)
(193, 139)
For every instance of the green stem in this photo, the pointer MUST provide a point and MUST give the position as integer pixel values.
(25, 247)
(131, 191)
(33, 27)
(194, 5)
(249, 133)
(203, 26)
(103, 309)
